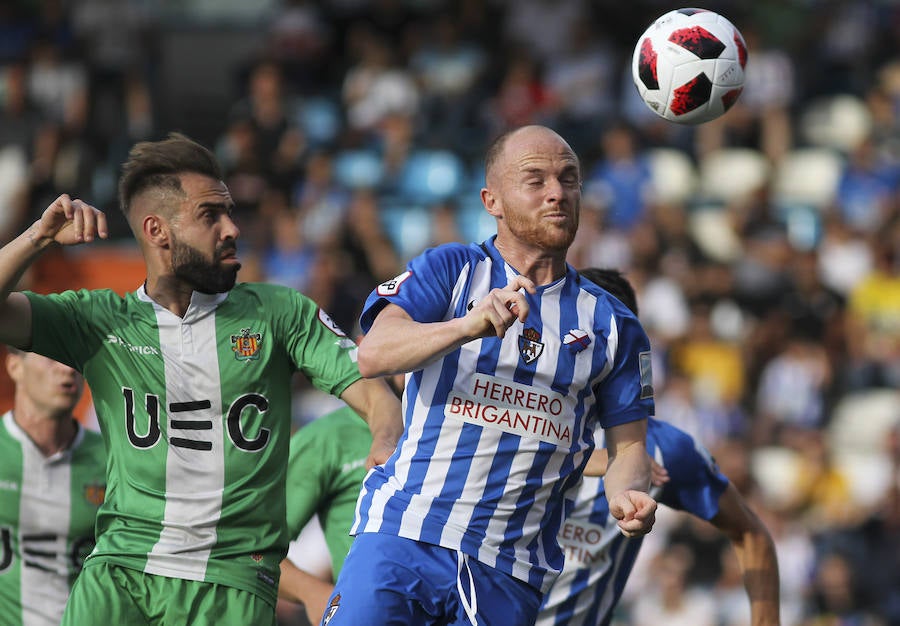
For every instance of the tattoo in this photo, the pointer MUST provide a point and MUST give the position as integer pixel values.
(32, 236)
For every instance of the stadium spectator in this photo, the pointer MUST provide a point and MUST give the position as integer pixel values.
(471, 501)
(190, 377)
(54, 476)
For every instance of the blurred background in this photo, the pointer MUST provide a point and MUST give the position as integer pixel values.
(763, 246)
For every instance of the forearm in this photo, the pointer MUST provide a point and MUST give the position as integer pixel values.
(759, 564)
(756, 555)
(397, 344)
(304, 588)
(17, 256)
(376, 403)
(628, 467)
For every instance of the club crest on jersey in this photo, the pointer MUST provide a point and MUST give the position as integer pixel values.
(332, 609)
(256, 556)
(95, 493)
(246, 345)
(576, 340)
(530, 346)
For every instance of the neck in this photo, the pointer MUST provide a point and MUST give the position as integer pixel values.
(51, 433)
(169, 293)
(540, 265)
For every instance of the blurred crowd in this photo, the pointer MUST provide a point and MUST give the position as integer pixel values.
(763, 246)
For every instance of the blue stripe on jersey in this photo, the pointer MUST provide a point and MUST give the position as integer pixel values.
(498, 431)
(587, 593)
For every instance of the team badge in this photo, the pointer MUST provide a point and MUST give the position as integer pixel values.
(246, 345)
(95, 493)
(332, 609)
(530, 346)
(257, 557)
(577, 340)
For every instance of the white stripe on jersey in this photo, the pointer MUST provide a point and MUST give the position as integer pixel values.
(191, 362)
(44, 512)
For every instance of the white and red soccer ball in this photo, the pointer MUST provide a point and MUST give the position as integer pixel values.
(688, 66)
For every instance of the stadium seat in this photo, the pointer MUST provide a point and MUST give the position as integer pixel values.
(431, 176)
(732, 174)
(473, 221)
(711, 230)
(857, 435)
(407, 225)
(808, 176)
(839, 122)
(356, 169)
(320, 118)
(673, 175)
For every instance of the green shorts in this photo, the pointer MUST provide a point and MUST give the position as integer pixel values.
(105, 593)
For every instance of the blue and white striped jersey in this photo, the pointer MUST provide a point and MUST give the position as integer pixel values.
(498, 432)
(598, 557)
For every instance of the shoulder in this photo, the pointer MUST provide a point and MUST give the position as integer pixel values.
(452, 254)
(263, 295)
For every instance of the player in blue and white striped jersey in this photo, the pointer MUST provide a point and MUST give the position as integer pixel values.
(599, 559)
(513, 362)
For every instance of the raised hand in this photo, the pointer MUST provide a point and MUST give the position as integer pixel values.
(68, 222)
(496, 312)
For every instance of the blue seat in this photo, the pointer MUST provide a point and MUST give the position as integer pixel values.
(320, 119)
(355, 169)
(431, 176)
(408, 226)
(472, 219)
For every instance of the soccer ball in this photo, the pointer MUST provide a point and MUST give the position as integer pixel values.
(688, 66)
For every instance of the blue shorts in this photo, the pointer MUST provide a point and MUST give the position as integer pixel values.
(392, 581)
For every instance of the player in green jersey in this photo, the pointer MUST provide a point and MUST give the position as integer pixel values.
(325, 474)
(190, 376)
(52, 479)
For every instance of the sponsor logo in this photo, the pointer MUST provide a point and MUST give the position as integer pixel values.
(392, 287)
(333, 607)
(246, 345)
(530, 346)
(95, 493)
(522, 410)
(646, 375)
(582, 542)
(576, 340)
(9, 485)
(130, 347)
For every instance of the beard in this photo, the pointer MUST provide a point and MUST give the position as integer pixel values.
(190, 266)
(546, 236)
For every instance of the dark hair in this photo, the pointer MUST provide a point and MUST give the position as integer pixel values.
(14, 350)
(613, 281)
(158, 164)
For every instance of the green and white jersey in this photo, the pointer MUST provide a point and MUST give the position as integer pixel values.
(48, 507)
(325, 473)
(195, 412)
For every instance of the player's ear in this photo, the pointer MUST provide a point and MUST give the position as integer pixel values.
(14, 366)
(155, 230)
(490, 202)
